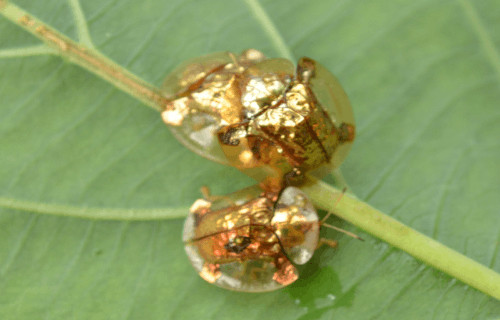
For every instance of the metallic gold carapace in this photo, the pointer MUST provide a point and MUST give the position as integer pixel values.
(252, 245)
(264, 116)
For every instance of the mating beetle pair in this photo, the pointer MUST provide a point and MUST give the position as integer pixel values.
(275, 123)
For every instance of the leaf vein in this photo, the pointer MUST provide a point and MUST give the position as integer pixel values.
(438, 306)
(270, 28)
(70, 266)
(145, 270)
(26, 104)
(182, 296)
(154, 169)
(149, 36)
(99, 13)
(495, 252)
(482, 34)
(400, 292)
(452, 170)
(367, 270)
(93, 212)
(480, 306)
(16, 249)
(318, 23)
(414, 139)
(56, 138)
(36, 50)
(397, 95)
(118, 243)
(81, 24)
(119, 156)
(365, 45)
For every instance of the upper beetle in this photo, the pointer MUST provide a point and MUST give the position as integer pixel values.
(269, 119)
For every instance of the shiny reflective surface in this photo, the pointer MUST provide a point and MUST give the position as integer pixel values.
(251, 245)
(264, 116)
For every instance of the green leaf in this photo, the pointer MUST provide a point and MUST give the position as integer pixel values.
(423, 77)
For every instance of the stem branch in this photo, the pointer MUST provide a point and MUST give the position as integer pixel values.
(87, 58)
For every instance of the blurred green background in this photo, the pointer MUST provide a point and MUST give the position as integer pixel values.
(423, 78)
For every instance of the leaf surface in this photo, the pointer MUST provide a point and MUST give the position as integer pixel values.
(423, 77)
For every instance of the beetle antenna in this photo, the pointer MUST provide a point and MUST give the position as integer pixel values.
(350, 234)
(322, 222)
(334, 206)
(205, 192)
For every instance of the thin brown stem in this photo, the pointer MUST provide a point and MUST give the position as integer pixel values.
(88, 58)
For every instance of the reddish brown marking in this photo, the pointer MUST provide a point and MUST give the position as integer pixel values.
(305, 64)
(347, 132)
(210, 272)
(287, 151)
(26, 20)
(286, 272)
(196, 85)
(234, 228)
(318, 141)
(314, 106)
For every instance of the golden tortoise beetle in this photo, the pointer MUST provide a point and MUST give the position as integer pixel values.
(272, 121)
(250, 240)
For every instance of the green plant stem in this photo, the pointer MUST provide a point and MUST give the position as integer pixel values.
(403, 237)
(349, 208)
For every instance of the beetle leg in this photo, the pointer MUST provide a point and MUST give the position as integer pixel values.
(350, 234)
(322, 222)
(306, 69)
(334, 206)
(346, 132)
(205, 191)
(286, 272)
(255, 272)
(328, 242)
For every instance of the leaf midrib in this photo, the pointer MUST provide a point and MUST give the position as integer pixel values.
(136, 214)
